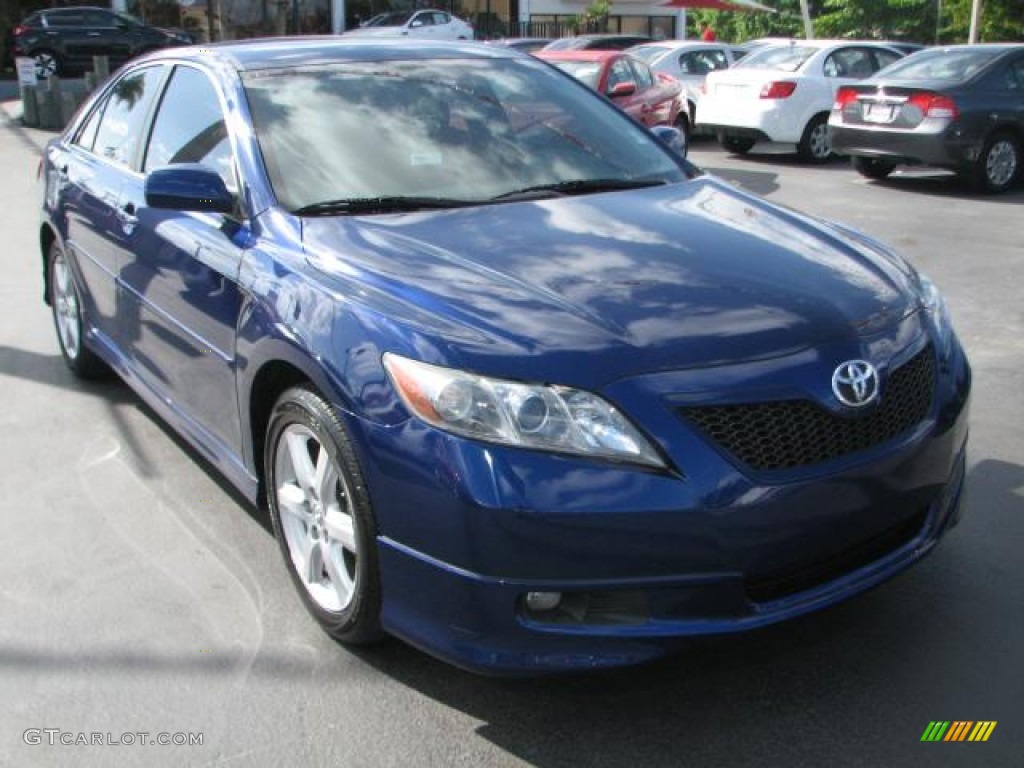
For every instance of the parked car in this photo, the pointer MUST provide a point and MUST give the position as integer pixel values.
(959, 107)
(689, 62)
(648, 98)
(784, 92)
(525, 44)
(426, 23)
(596, 42)
(64, 40)
(516, 383)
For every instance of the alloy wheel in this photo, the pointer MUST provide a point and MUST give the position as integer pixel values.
(317, 518)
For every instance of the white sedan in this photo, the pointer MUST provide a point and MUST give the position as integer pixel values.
(429, 24)
(784, 93)
(689, 62)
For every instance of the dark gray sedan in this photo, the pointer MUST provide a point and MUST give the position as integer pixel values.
(959, 107)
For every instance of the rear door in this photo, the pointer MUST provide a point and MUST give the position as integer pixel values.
(92, 172)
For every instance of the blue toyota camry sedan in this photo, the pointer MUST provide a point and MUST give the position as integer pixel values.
(516, 383)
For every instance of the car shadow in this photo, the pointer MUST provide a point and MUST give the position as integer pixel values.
(757, 182)
(945, 184)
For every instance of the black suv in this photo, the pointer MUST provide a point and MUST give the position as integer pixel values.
(64, 40)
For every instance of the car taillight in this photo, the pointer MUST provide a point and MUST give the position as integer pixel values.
(843, 97)
(934, 105)
(19, 30)
(781, 89)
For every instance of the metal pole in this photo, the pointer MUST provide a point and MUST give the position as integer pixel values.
(805, 11)
(975, 21)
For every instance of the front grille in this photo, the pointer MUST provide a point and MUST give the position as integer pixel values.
(787, 434)
(767, 587)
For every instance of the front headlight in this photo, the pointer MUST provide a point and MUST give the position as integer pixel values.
(935, 305)
(546, 418)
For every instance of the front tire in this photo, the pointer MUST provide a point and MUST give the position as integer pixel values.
(735, 144)
(322, 516)
(815, 145)
(67, 317)
(998, 165)
(873, 167)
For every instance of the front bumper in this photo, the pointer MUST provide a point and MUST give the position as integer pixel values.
(642, 559)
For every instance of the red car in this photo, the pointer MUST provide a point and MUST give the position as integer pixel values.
(648, 97)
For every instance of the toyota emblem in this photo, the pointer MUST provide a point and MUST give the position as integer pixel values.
(855, 383)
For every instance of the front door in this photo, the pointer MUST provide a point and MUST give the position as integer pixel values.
(181, 271)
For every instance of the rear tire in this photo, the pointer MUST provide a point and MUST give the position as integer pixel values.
(47, 63)
(67, 318)
(736, 144)
(682, 125)
(998, 165)
(815, 145)
(873, 167)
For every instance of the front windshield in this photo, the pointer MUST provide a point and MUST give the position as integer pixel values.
(788, 58)
(649, 53)
(941, 64)
(471, 130)
(587, 72)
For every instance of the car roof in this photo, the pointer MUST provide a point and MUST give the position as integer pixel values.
(578, 55)
(74, 9)
(290, 52)
(671, 45)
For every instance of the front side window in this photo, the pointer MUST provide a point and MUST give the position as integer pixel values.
(618, 74)
(190, 128)
(466, 130)
(124, 116)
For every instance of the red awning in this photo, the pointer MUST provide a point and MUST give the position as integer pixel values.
(719, 5)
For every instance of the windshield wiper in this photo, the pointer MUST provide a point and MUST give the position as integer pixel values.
(382, 204)
(579, 187)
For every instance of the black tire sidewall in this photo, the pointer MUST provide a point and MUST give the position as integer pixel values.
(980, 178)
(85, 364)
(804, 147)
(359, 621)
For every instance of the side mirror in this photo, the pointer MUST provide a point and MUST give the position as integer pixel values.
(672, 138)
(416, 23)
(622, 89)
(188, 187)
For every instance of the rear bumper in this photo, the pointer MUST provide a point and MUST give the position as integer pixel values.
(642, 559)
(946, 149)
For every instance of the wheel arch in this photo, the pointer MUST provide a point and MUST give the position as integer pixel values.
(47, 237)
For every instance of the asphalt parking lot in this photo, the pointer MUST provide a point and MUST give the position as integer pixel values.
(138, 594)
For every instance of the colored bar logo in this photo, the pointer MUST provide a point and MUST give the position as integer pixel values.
(958, 730)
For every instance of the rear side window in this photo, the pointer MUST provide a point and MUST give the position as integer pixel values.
(190, 128)
(644, 78)
(124, 116)
(850, 63)
(65, 19)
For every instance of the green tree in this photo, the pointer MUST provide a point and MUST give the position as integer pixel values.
(1001, 21)
(878, 19)
(738, 27)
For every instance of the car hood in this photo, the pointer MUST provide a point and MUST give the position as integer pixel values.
(614, 284)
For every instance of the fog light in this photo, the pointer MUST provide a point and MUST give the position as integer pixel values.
(543, 601)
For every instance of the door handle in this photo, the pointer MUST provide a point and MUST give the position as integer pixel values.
(126, 215)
